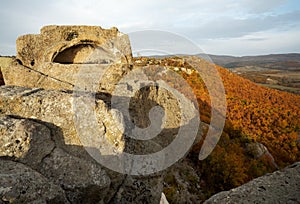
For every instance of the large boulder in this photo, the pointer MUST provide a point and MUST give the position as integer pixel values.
(20, 184)
(279, 187)
(24, 140)
(140, 190)
(68, 164)
(83, 181)
(55, 109)
(30, 143)
(60, 56)
(71, 117)
(258, 150)
(182, 184)
(70, 44)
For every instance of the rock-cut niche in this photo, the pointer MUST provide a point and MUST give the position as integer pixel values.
(77, 54)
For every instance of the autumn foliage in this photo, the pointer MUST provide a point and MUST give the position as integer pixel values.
(255, 114)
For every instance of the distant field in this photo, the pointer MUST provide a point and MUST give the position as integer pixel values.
(282, 88)
(277, 79)
(281, 72)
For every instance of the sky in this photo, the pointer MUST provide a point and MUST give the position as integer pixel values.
(223, 27)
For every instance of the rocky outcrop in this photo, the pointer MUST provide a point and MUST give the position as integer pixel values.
(140, 190)
(258, 150)
(20, 184)
(62, 56)
(75, 112)
(31, 143)
(279, 187)
(182, 184)
(71, 44)
(24, 140)
(83, 181)
(41, 132)
(52, 107)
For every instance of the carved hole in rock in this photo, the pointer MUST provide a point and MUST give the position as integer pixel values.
(77, 54)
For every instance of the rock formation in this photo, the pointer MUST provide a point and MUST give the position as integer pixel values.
(257, 150)
(64, 88)
(279, 187)
(55, 58)
(21, 184)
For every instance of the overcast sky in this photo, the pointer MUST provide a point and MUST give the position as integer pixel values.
(228, 27)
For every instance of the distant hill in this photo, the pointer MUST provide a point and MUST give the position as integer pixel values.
(272, 61)
(290, 61)
(277, 71)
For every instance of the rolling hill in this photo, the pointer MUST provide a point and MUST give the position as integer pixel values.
(276, 71)
(261, 134)
(273, 61)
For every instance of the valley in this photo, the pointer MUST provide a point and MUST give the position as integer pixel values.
(277, 71)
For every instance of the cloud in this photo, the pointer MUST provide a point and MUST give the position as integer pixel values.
(199, 20)
(229, 27)
(257, 43)
(259, 6)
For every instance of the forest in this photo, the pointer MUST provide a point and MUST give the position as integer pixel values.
(255, 115)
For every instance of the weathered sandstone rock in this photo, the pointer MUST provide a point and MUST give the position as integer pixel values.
(24, 140)
(279, 187)
(72, 101)
(20, 184)
(61, 55)
(70, 44)
(52, 107)
(29, 142)
(19, 75)
(140, 190)
(69, 165)
(83, 181)
(57, 108)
